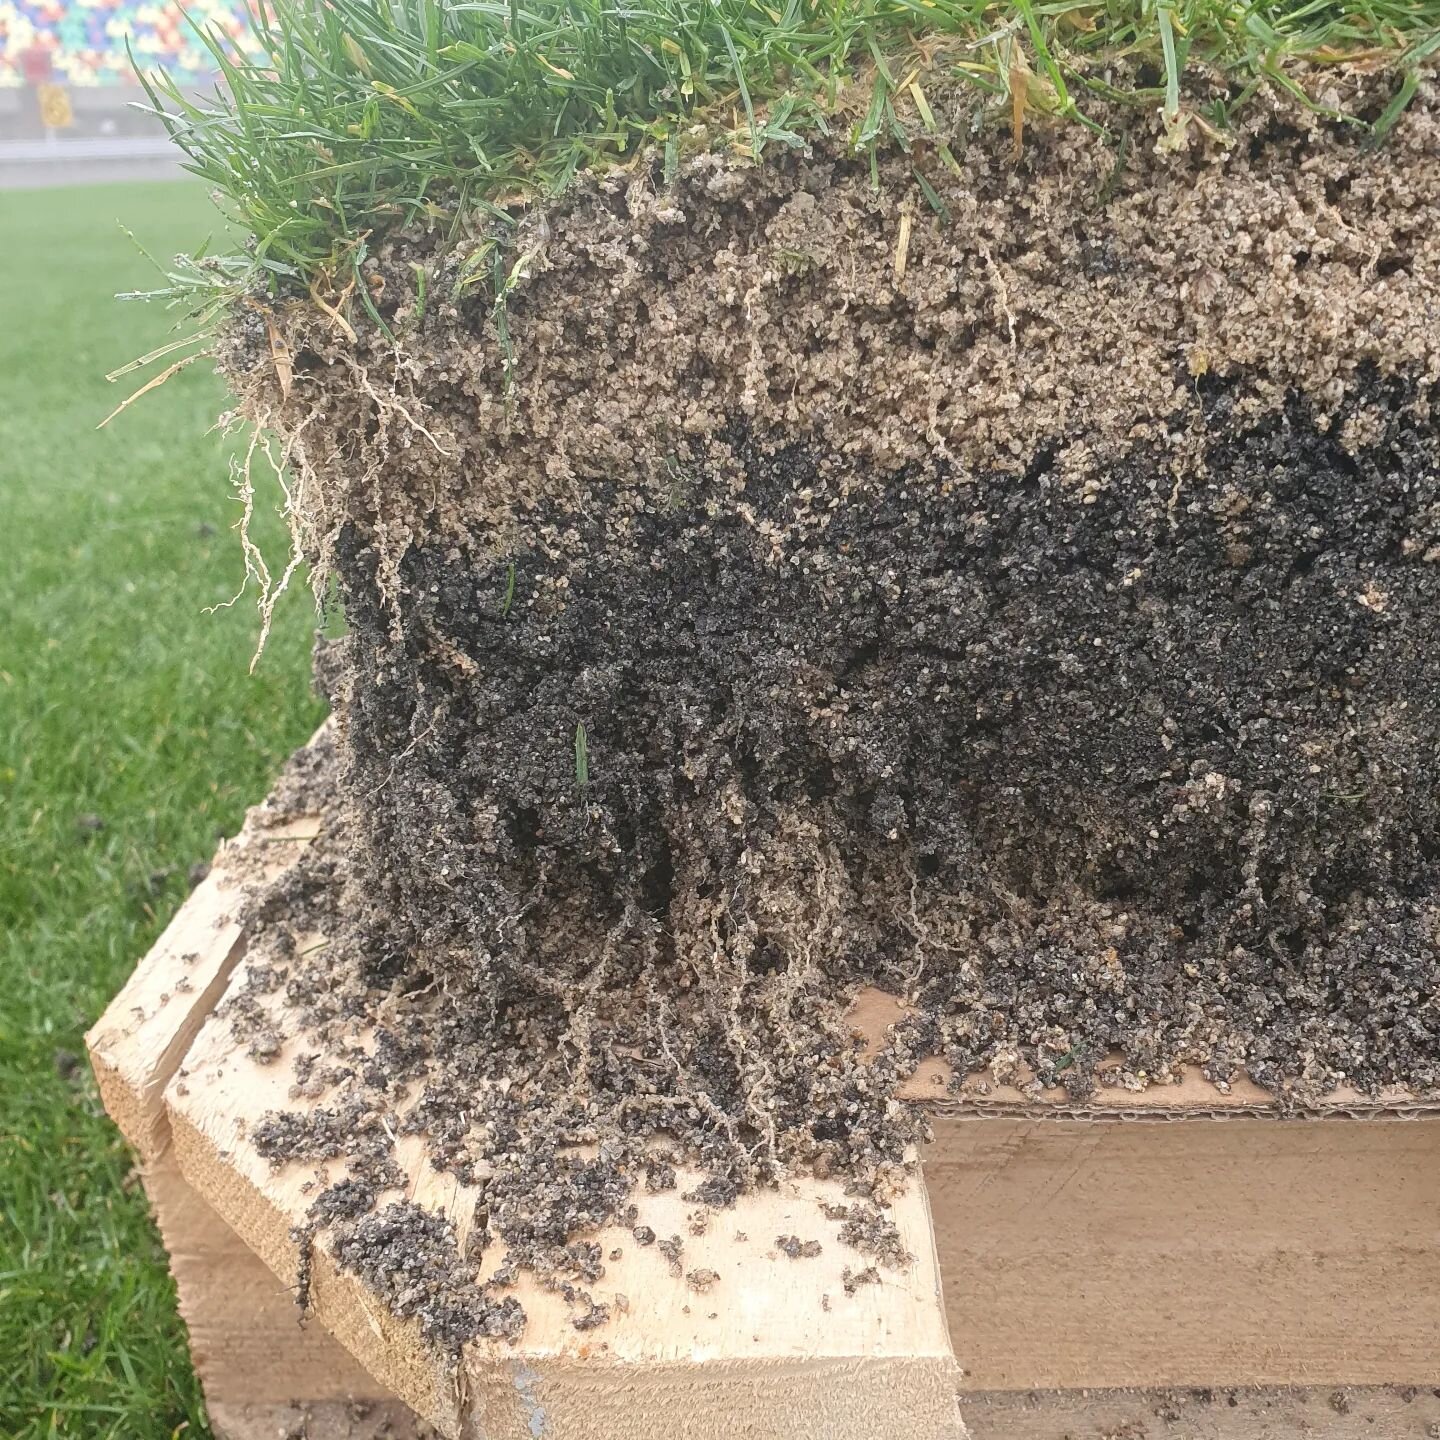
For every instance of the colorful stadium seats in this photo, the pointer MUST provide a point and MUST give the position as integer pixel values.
(82, 42)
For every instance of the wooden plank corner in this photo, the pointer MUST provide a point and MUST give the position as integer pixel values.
(261, 1373)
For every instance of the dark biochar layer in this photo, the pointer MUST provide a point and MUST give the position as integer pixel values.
(1142, 759)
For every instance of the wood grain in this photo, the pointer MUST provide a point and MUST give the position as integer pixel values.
(1193, 1253)
(256, 1365)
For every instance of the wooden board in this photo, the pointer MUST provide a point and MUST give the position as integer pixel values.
(1181, 1235)
(262, 1374)
(1192, 1253)
(1075, 1253)
(1232, 1248)
(774, 1347)
(1327, 1413)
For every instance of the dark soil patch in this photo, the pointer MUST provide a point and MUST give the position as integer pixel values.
(1143, 767)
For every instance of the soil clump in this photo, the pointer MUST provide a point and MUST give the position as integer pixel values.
(1037, 616)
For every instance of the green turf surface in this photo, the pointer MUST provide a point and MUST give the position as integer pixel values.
(365, 114)
(131, 736)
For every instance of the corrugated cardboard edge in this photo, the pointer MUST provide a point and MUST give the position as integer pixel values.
(1190, 1096)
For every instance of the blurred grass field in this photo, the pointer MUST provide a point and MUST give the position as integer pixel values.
(131, 737)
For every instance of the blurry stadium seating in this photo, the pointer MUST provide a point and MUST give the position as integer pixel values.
(86, 38)
(80, 45)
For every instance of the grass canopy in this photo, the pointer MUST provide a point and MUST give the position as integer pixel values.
(351, 116)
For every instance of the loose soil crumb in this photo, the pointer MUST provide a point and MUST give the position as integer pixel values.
(873, 1233)
(1050, 635)
(796, 1248)
(409, 1258)
(852, 1280)
(672, 1249)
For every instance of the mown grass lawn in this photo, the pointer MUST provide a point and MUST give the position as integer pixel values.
(131, 736)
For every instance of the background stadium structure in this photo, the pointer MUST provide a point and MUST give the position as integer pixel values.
(78, 49)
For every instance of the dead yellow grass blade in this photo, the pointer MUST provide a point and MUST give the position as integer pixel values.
(154, 383)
